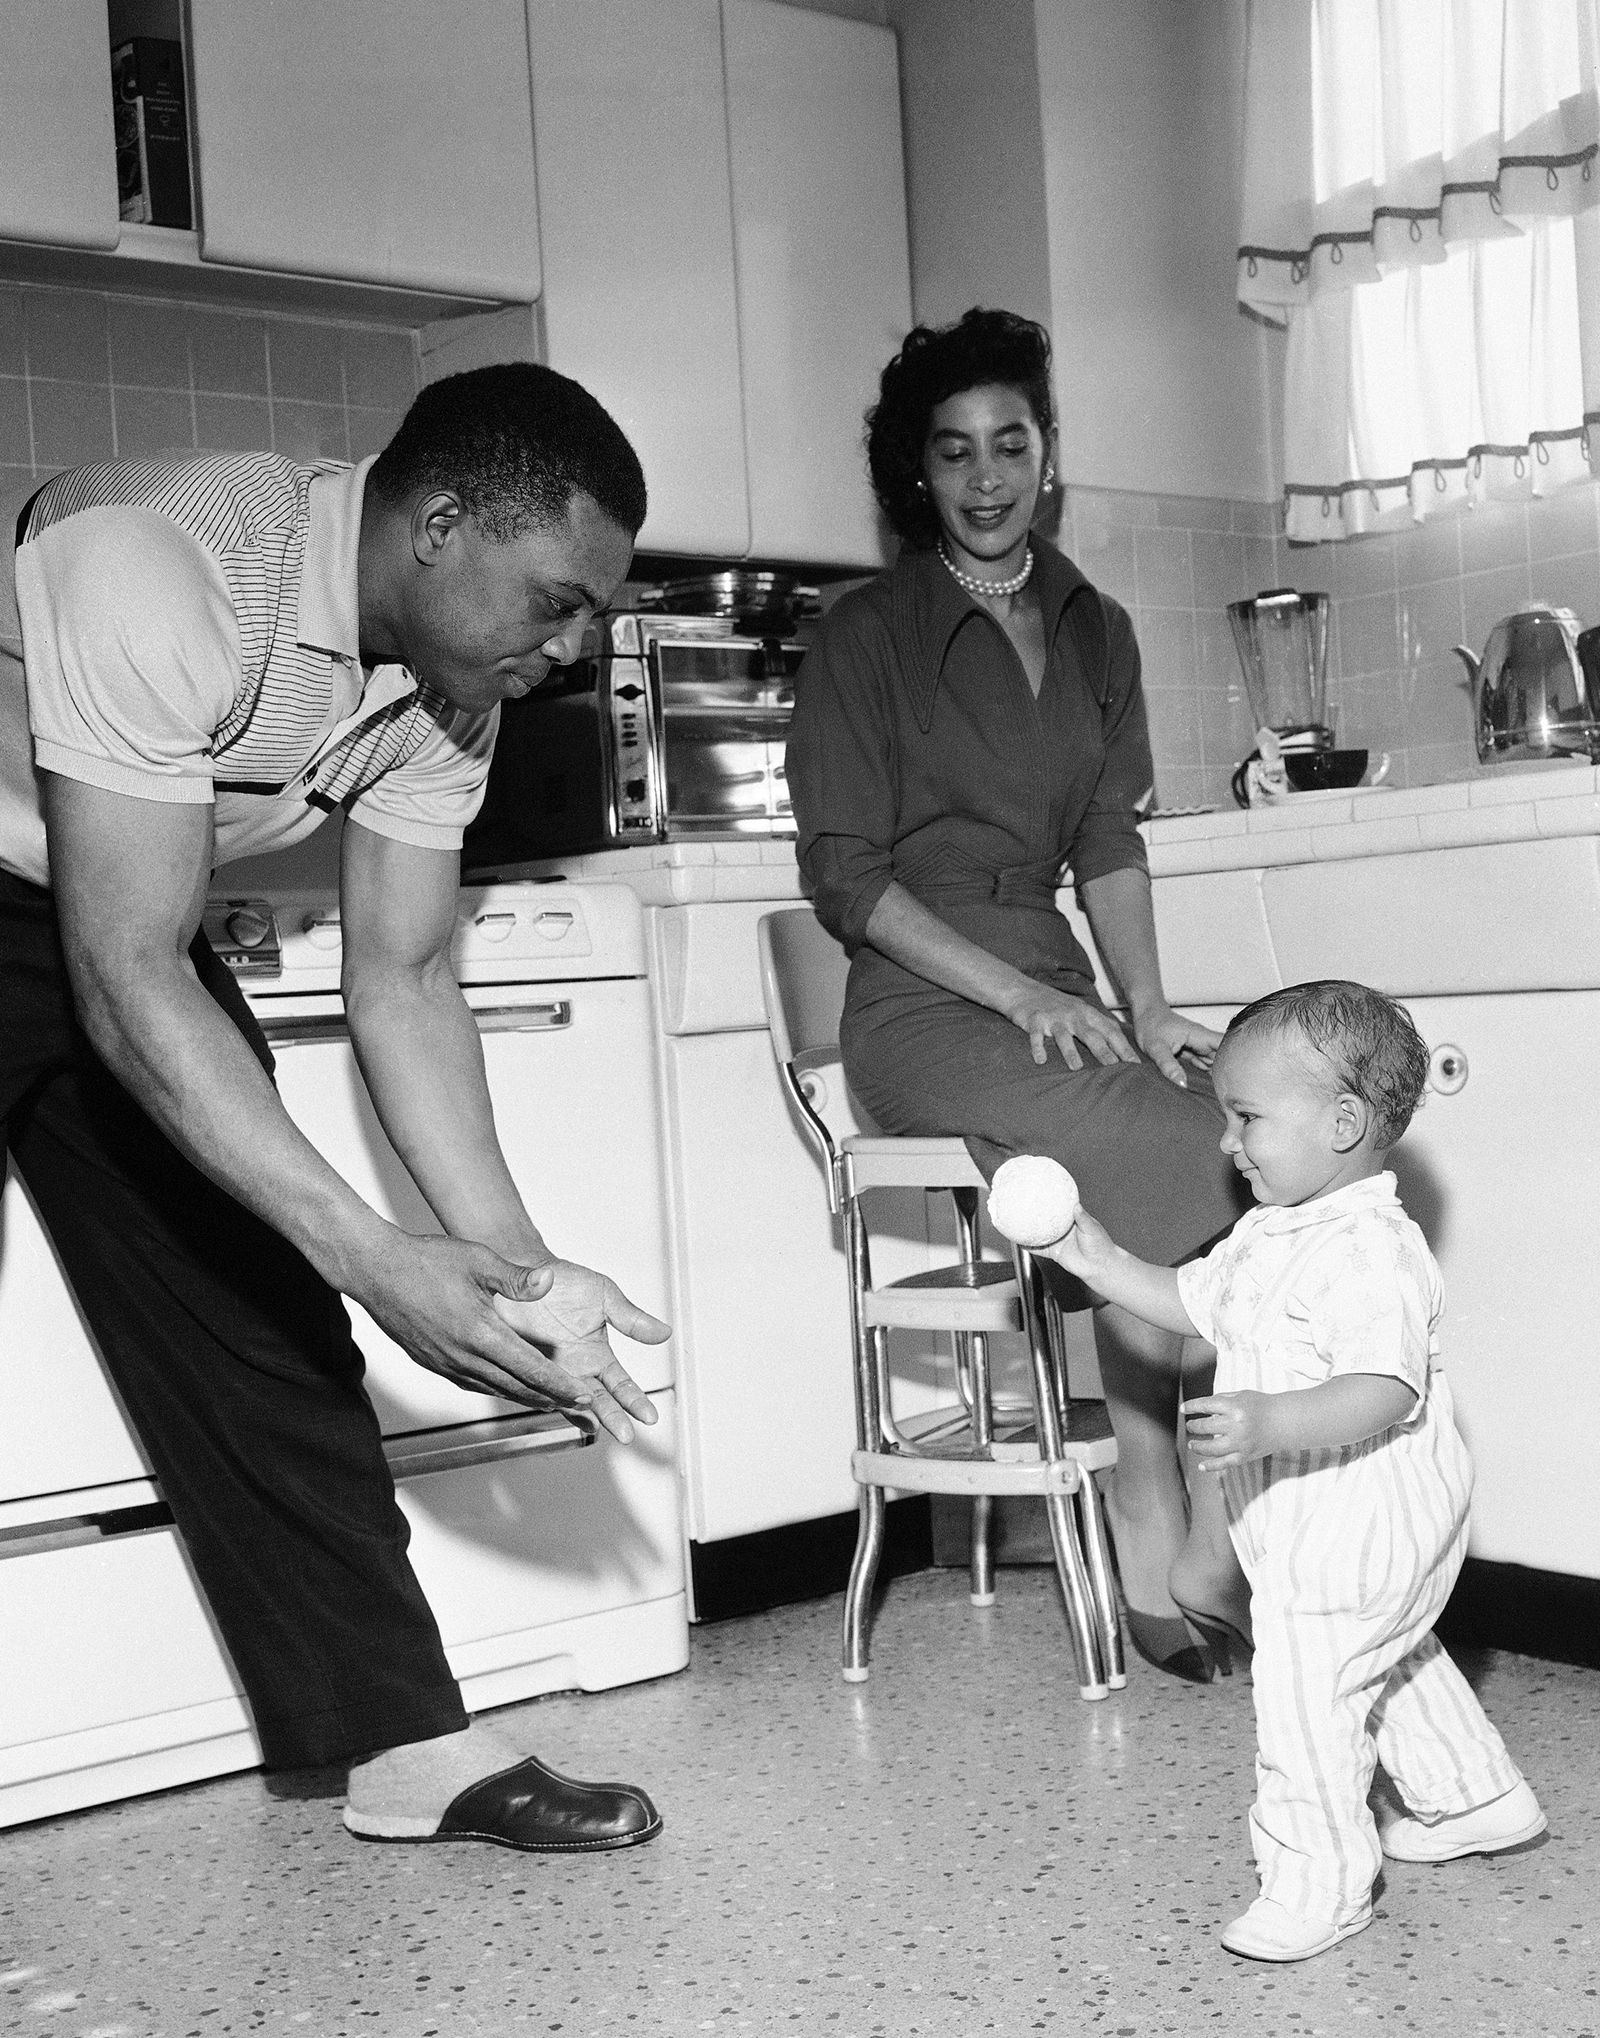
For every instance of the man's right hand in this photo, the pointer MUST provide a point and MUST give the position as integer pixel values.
(435, 1296)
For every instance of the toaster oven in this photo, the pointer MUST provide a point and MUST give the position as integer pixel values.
(669, 727)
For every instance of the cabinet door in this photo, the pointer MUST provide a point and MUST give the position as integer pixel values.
(819, 221)
(636, 227)
(1500, 1175)
(386, 141)
(58, 160)
(762, 1298)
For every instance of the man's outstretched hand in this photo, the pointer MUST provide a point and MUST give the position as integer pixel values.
(535, 1335)
(566, 1316)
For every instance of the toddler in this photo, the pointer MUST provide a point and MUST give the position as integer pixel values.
(1345, 1479)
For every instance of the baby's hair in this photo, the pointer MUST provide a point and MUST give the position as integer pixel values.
(1369, 1041)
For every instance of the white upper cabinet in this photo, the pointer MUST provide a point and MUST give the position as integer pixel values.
(381, 141)
(58, 161)
(636, 224)
(824, 277)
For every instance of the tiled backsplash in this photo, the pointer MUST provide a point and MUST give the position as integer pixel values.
(1400, 603)
(1175, 562)
(88, 375)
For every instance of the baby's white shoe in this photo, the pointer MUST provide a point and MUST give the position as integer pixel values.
(1505, 1821)
(1268, 1931)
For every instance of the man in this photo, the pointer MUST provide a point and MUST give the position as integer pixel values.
(201, 660)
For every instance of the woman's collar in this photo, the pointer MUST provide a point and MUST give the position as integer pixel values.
(929, 608)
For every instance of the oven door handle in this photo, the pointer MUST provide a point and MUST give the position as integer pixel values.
(465, 1444)
(304, 1029)
(410, 1456)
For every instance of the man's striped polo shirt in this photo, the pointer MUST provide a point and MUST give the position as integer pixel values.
(188, 631)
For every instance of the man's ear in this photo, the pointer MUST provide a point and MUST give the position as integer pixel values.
(1352, 1119)
(433, 522)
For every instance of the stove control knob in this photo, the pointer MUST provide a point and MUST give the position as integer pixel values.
(554, 926)
(247, 927)
(322, 929)
(495, 926)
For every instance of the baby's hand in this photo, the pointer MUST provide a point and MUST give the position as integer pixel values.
(1087, 1245)
(1228, 1429)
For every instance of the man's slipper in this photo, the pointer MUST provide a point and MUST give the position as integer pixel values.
(530, 1807)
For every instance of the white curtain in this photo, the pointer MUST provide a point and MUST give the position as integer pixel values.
(1421, 184)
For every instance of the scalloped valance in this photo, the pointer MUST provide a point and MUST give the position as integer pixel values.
(1421, 185)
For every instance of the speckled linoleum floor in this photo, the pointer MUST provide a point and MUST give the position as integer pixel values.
(959, 1846)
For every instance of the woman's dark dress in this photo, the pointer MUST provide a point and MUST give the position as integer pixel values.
(918, 753)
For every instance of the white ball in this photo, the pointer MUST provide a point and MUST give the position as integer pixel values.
(1033, 1201)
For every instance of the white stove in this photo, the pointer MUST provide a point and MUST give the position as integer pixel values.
(552, 1559)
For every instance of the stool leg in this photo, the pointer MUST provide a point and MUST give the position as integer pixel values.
(858, 1593)
(972, 1367)
(981, 1588)
(1070, 1569)
(869, 1354)
(1101, 1588)
(982, 1585)
(1065, 1536)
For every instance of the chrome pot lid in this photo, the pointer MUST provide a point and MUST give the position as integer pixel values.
(757, 600)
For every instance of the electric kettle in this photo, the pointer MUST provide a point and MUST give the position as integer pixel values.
(1532, 694)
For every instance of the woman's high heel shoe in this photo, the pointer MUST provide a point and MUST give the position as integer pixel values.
(1228, 1643)
(1165, 1641)
(1160, 1638)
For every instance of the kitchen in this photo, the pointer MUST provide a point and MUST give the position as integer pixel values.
(746, 413)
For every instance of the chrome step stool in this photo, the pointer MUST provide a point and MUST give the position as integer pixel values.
(1049, 1446)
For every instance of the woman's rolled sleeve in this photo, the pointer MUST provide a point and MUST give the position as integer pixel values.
(840, 763)
(1108, 836)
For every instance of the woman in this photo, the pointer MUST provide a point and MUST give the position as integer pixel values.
(968, 724)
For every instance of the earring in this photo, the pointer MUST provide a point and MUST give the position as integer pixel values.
(922, 487)
(1049, 480)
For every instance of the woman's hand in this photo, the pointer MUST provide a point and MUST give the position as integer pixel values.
(1163, 1033)
(1045, 1015)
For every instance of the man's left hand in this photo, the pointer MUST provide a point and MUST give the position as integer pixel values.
(568, 1323)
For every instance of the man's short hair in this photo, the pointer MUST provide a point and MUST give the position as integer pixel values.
(1369, 1042)
(515, 443)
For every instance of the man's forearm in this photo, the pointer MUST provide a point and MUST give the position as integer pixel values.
(422, 1061)
(187, 1066)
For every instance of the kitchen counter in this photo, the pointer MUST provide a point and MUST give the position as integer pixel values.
(682, 873)
(1538, 802)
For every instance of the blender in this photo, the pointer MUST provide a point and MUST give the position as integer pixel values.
(1281, 636)
(1282, 641)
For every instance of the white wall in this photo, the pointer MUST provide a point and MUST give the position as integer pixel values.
(1162, 382)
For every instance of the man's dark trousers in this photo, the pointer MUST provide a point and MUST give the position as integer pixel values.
(235, 1362)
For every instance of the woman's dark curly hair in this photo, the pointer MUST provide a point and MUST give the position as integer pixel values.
(937, 362)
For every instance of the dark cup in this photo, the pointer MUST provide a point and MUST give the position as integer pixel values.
(1309, 771)
(1318, 771)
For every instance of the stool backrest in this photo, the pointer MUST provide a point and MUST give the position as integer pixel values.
(803, 976)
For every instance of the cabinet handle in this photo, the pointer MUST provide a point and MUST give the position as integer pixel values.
(523, 1018)
(1447, 1069)
(423, 1451)
(305, 1029)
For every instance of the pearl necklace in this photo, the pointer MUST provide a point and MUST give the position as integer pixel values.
(973, 585)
